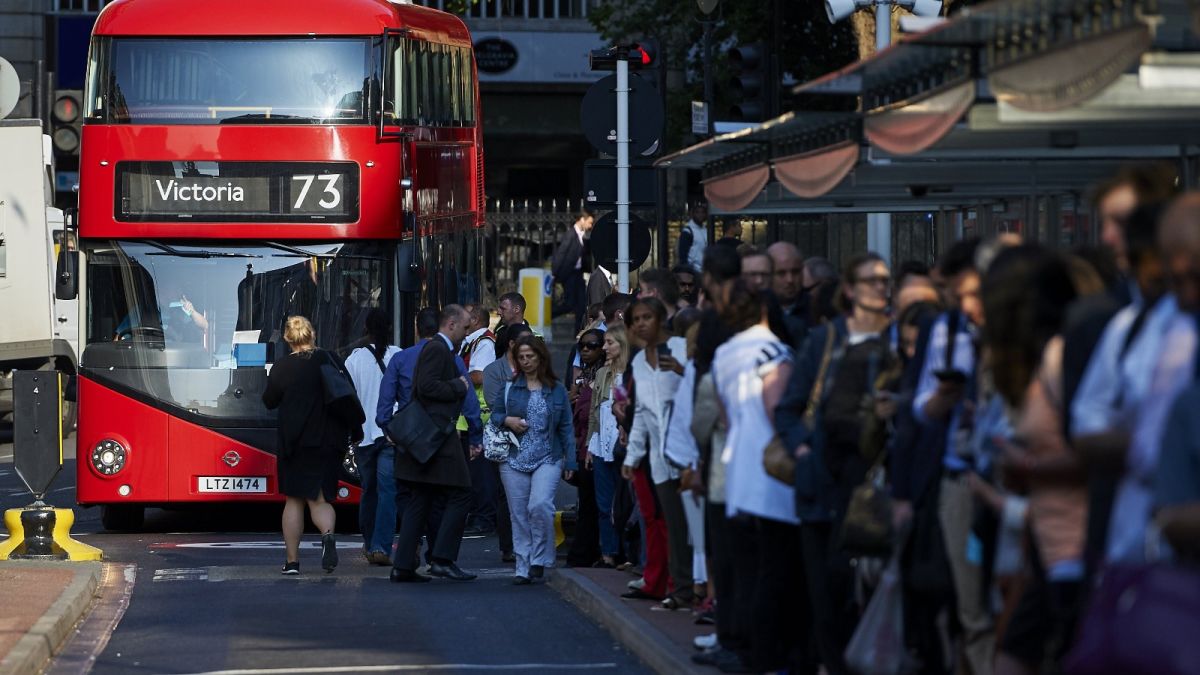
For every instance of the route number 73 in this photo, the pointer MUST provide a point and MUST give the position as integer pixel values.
(331, 189)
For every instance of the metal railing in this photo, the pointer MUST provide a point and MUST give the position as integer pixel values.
(515, 9)
(79, 6)
(523, 233)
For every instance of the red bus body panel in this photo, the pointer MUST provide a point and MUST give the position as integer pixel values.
(155, 475)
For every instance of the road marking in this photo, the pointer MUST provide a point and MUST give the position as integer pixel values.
(398, 668)
(250, 545)
(355, 575)
(182, 574)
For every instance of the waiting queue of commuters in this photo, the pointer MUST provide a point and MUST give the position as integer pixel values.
(972, 468)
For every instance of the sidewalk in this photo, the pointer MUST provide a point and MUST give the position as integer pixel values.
(42, 602)
(662, 639)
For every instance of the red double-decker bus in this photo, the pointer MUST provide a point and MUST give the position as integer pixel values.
(243, 162)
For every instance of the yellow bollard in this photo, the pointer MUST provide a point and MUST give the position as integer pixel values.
(43, 534)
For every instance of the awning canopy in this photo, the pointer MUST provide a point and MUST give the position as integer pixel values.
(1005, 99)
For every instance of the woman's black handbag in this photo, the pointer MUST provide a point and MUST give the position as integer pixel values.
(341, 398)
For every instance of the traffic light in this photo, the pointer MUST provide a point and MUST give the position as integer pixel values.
(748, 84)
(642, 56)
(68, 121)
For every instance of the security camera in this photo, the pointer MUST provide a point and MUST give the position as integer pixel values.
(923, 7)
(839, 9)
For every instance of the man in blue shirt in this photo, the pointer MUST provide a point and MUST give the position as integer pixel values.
(943, 394)
(396, 389)
(1172, 372)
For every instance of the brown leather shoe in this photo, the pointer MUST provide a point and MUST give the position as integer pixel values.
(378, 558)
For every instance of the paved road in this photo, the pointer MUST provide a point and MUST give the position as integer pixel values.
(208, 597)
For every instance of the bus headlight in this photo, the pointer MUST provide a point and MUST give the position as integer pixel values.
(108, 457)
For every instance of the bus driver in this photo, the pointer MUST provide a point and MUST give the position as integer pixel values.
(181, 320)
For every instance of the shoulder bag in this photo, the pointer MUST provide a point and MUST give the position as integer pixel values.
(340, 395)
(498, 442)
(778, 461)
(413, 430)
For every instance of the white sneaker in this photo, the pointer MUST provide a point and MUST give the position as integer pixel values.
(636, 584)
(705, 641)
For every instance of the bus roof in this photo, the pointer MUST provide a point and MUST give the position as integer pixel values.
(246, 18)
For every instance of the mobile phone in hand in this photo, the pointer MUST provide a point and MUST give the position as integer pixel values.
(952, 376)
(663, 351)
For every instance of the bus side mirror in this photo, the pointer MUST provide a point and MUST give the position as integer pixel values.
(66, 280)
(66, 277)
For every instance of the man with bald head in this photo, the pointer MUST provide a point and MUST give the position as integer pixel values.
(787, 281)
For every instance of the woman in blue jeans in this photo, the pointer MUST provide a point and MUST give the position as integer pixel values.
(536, 409)
(602, 436)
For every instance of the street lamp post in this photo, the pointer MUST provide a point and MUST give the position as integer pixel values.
(879, 225)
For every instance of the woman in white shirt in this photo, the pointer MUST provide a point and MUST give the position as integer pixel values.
(374, 455)
(751, 373)
(657, 371)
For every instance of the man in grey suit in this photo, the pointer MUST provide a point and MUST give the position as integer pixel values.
(439, 388)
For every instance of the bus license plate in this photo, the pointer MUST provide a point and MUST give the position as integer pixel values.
(250, 484)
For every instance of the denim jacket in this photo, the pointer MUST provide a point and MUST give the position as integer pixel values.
(562, 435)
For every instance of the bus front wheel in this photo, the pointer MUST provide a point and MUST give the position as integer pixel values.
(122, 517)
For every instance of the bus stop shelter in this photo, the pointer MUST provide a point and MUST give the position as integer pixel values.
(1011, 105)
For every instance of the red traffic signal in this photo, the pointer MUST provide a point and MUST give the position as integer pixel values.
(641, 55)
(67, 120)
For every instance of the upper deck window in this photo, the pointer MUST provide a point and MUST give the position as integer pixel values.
(206, 81)
(428, 84)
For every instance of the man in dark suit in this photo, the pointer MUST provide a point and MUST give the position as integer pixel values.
(440, 388)
(567, 266)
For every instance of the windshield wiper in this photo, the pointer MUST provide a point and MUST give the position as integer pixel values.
(299, 252)
(260, 117)
(171, 250)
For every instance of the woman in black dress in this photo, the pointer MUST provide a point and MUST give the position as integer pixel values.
(312, 440)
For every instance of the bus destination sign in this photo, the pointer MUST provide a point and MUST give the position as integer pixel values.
(237, 191)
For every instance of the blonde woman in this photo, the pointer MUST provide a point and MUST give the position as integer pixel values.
(602, 436)
(312, 439)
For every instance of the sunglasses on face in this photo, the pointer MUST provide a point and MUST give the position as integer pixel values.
(876, 281)
(589, 345)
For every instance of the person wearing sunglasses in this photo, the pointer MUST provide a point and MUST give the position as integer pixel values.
(585, 548)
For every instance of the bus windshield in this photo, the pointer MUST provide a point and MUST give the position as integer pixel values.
(231, 81)
(196, 327)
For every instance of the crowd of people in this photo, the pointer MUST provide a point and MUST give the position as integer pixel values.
(947, 469)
